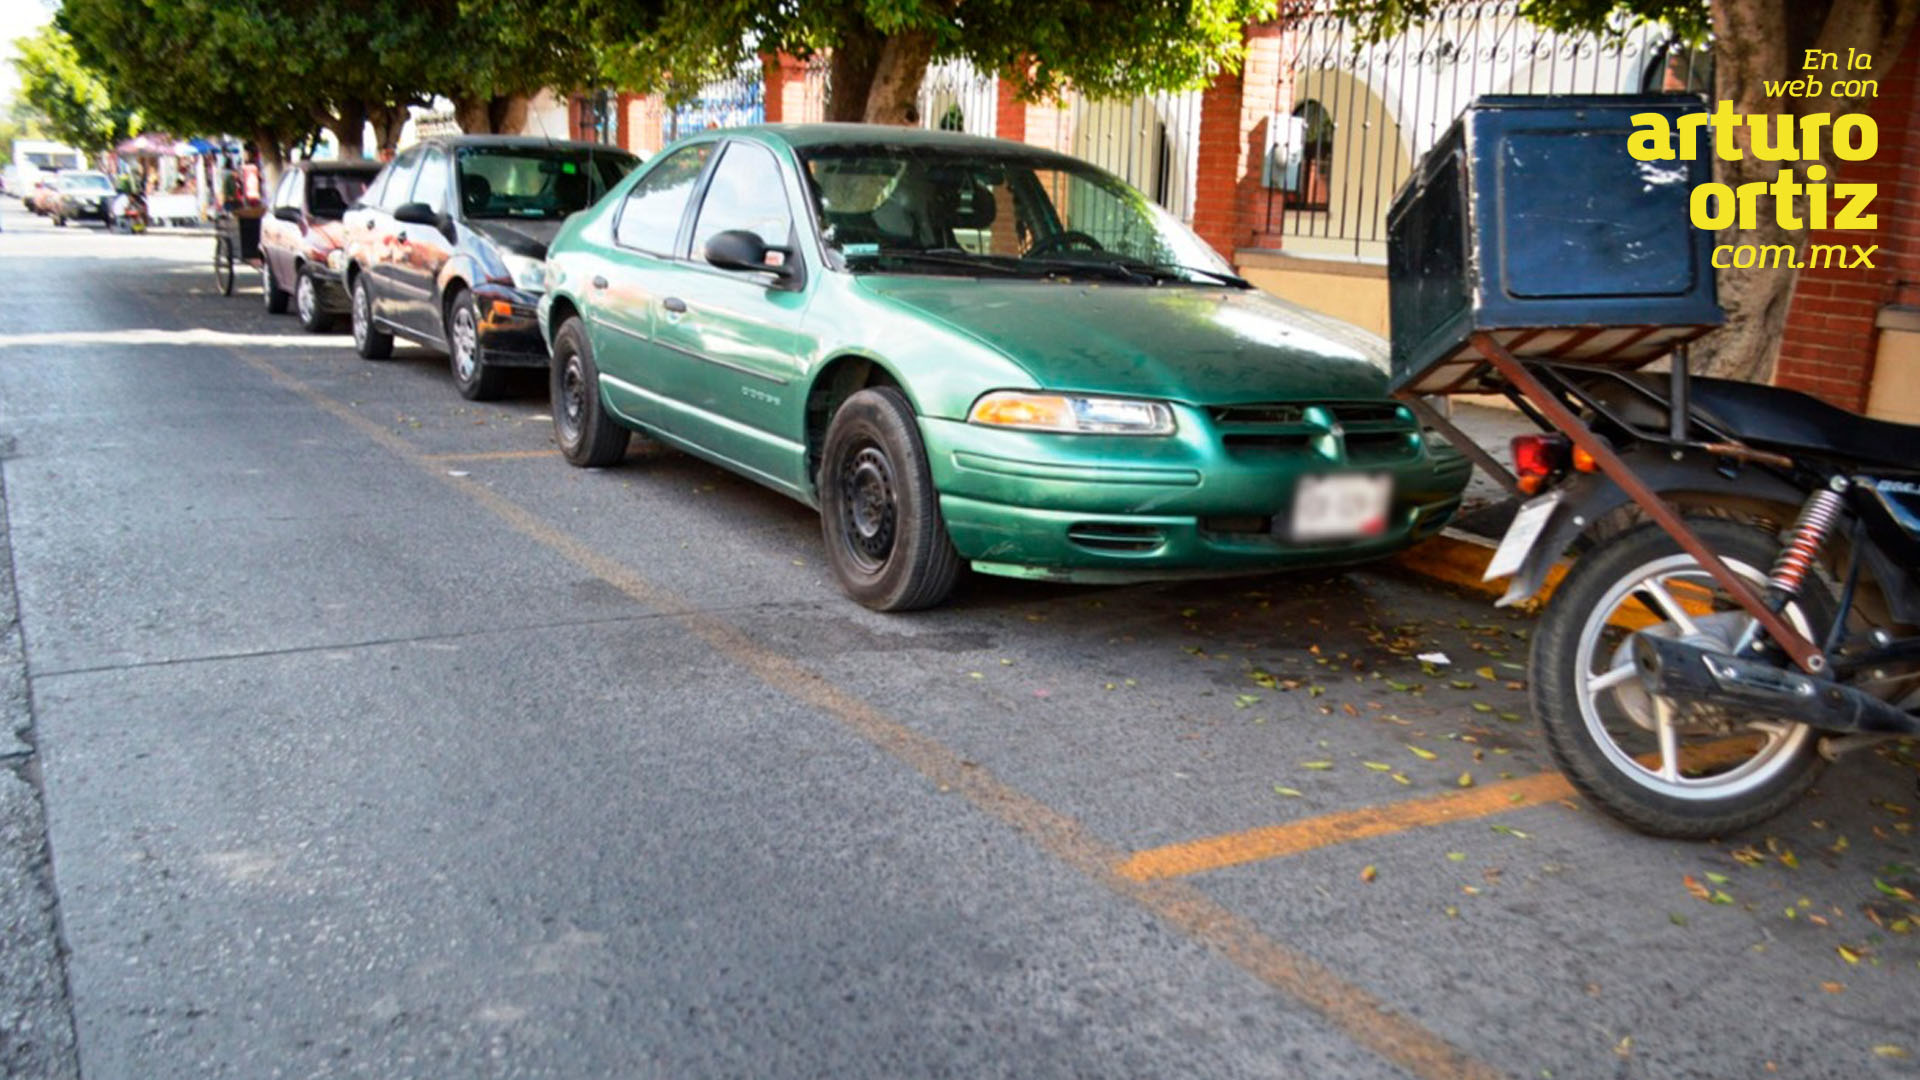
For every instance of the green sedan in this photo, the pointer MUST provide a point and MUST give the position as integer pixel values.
(963, 351)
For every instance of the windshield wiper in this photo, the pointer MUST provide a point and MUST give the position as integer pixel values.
(1173, 272)
(1112, 271)
(939, 257)
(1221, 276)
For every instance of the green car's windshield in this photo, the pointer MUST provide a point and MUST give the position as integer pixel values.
(529, 182)
(942, 210)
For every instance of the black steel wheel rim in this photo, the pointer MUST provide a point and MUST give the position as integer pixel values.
(869, 510)
(573, 398)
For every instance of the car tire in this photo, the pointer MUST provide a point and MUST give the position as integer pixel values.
(886, 541)
(276, 297)
(59, 222)
(587, 435)
(371, 342)
(476, 379)
(306, 302)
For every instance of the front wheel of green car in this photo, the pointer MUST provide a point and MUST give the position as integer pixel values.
(886, 541)
(588, 437)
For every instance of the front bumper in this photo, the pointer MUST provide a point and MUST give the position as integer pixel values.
(1107, 509)
(328, 289)
(510, 326)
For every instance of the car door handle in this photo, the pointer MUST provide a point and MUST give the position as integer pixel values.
(675, 305)
(599, 282)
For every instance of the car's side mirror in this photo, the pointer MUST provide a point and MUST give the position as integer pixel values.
(288, 213)
(742, 249)
(418, 213)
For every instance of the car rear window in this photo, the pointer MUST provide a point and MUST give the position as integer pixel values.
(535, 182)
(330, 193)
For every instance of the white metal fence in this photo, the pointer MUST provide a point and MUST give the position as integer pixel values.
(955, 97)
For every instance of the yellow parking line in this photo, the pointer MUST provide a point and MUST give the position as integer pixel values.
(492, 455)
(1382, 819)
(1363, 1018)
(1295, 837)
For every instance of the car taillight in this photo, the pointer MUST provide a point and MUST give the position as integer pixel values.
(1537, 457)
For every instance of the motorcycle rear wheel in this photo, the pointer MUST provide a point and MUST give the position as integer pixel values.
(1680, 774)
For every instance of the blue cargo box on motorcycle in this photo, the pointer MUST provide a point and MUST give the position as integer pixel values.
(1530, 221)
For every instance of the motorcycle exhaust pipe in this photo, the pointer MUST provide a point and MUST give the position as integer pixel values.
(1687, 673)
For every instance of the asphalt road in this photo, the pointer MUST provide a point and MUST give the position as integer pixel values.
(375, 741)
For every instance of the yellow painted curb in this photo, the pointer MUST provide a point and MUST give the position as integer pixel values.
(1460, 559)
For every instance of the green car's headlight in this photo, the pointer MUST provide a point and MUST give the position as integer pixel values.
(1071, 414)
(529, 275)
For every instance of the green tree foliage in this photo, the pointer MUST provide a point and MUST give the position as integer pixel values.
(73, 103)
(277, 72)
(879, 49)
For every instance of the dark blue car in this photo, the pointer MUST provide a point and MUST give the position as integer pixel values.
(447, 247)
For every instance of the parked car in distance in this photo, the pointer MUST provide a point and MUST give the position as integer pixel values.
(81, 196)
(967, 351)
(447, 248)
(302, 231)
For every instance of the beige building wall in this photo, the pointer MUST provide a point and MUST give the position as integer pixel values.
(1351, 291)
(1896, 367)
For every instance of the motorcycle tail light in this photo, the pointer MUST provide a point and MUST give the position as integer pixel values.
(1538, 457)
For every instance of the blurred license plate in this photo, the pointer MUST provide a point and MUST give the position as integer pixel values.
(1341, 506)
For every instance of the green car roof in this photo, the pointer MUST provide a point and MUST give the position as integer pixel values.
(802, 136)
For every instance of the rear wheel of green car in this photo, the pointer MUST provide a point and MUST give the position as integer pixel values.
(588, 437)
(886, 541)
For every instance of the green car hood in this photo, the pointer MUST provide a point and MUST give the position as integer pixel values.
(1203, 346)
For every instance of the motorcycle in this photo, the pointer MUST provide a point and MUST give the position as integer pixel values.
(1745, 604)
(1745, 601)
(129, 212)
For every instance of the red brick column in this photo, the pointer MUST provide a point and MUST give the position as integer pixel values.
(1830, 339)
(1231, 209)
(1046, 123)
(785, 89)
(623, 110)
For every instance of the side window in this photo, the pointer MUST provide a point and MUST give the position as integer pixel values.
(650, 217)
(371, 196)
(287, 194)
(431, 188)
(401, 174)
(746, 193)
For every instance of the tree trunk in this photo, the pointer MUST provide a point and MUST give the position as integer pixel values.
(473, 116)
(349, 127)
(273, 159)
(507, 113)
(850, 74)
(1757, 40)
(1750, 44)
(388, 121)
(894, 96)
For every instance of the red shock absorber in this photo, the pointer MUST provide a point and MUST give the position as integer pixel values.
(1803, 546)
